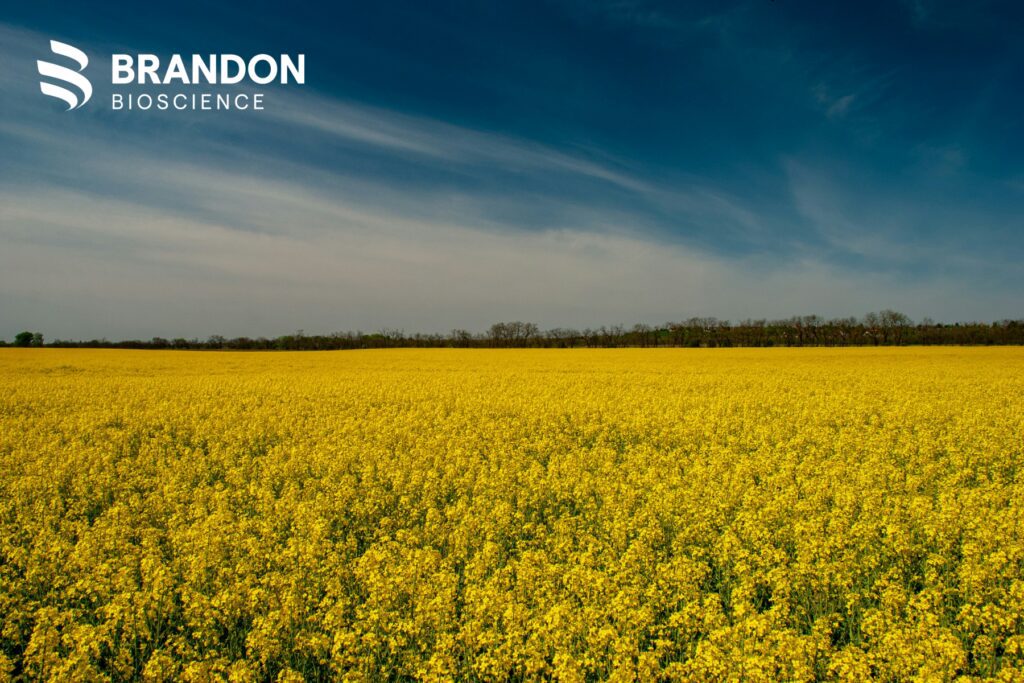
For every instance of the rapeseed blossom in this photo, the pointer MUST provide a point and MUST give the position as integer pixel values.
(576, 515)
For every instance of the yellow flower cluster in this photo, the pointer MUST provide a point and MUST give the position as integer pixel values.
(577, 515)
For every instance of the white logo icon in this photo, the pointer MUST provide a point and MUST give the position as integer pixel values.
(66, 75)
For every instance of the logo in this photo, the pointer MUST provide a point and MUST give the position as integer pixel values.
(197, 82)
(66, 75)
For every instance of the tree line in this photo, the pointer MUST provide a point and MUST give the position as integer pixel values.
(884, 328)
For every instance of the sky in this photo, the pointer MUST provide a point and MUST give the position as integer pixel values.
(571, 163)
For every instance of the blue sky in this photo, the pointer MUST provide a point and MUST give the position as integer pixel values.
(570, 163)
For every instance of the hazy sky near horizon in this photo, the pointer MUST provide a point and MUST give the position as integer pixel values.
(567, 162)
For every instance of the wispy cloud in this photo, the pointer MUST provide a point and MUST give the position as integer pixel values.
(438, 140)
(848, 90)
(101, 261)
(885, 234)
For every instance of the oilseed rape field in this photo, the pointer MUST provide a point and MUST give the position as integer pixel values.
(485, 515)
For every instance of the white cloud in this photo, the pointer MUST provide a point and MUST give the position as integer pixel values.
(115, 268)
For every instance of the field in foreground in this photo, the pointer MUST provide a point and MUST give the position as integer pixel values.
(512, 515)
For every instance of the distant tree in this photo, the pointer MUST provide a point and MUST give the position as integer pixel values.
(461, 338)
(563, 337)
(26, 338)
(514, 333)
(872, 327)
(644, 335)
(894, 325)
(391, 337)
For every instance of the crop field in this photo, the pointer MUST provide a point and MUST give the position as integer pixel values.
(486, 515)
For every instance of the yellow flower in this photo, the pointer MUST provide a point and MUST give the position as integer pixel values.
(631, 514)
